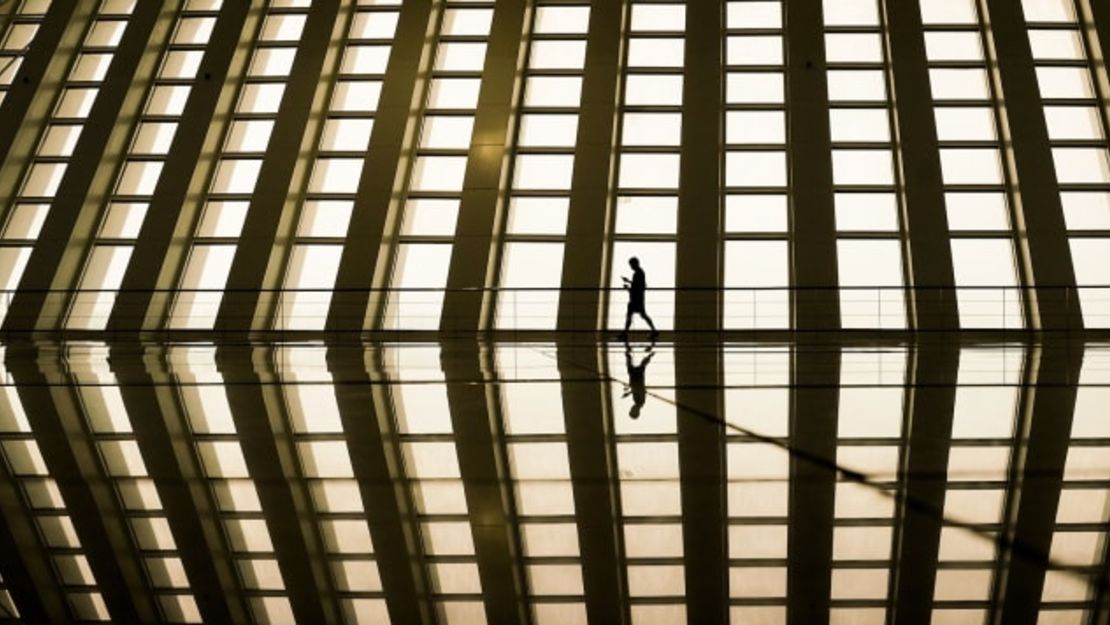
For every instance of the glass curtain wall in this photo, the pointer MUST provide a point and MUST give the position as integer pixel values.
(975, 183)
(215, 437)
(1077, 132)
(48, 164)
(142, 167)
(325, 213)
(41, 496)
(648, 158)
(547, 133)
(757, 247)
(216, 238)
(17, 39)
(435, 190)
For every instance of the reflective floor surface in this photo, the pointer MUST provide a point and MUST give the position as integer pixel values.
(555, 484)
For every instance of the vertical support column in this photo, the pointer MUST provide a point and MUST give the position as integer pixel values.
(1038, 212)
(485, 481)
(922, 505)
(24, 564)
(701, 458)
(813, 436)
(594, 480)
(74, 463)
(1096, 20)
(163, 439)
(809, 153)
(376, 213)
(272, 464)
(376, 460)
(1037, 491)
(700, 216)
(157, 257)
(280, 179)
(35, 87)
(590, 205)
(466, 305)
(924, 215)
(56, 257)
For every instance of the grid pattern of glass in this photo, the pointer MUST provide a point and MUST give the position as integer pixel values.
(326, 211)
(757, 247)
(43, 498)
(436, 183)
(216, 439)
(17, 39)
(109, 426)
(648, 157)
(214, 243)
(974, 178)
(142, 168)
(866, 181)
(546, 135)
(44, 173)
(1077, 131)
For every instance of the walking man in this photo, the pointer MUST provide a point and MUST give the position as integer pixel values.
(637, 288)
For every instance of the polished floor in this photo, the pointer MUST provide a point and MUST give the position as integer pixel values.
(566, 483)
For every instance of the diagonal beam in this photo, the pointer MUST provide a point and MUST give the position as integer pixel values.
(163, 436)
(162, 242)
(466, 303)
(55, 259)
(813, 437)
(375, 457)
(485, 481)
(593, 476)
(1037, 488)
(922, 505)
(376, 212)
(279, 180)
(272, 462)
(74, 463)
(1038, 212)
(930, 256)
(588, 215)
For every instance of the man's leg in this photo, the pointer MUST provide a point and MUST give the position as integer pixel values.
(627, 322)
(650, 323)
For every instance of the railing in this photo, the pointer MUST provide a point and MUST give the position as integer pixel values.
(536, 308)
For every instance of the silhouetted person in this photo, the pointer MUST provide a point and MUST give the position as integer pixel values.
(637, 288)
(636, 386)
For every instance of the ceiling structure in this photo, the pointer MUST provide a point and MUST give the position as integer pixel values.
(466, 165)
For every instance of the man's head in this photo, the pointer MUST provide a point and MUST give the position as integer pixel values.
(634, 262)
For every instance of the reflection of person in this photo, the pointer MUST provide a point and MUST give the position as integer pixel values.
(635, 386)
(637, 291)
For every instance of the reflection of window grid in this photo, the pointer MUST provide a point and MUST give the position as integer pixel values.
(109, 426)
(871, 441)
(539, 465)
(325, 463)
(21, 31)
(648, 157)
(756, 178)
(142, 167)
(650, 512)
(431, 464)
(216, 237)
(48, 165)
(547, 132)
(436, 181)
(979, 477)
(974, 179)
(326, 210)
(216, 441)
(866, 182)
(1079, 538)
(757, 407)
(1077, 128)
(43, 499)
